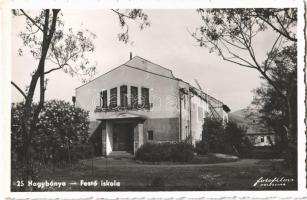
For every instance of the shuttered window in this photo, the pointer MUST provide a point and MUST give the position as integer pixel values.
(134, 97)
(104, 98)
(145, 98)
(123, 96)
(113, 97)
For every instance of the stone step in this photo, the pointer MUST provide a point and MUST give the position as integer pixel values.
(120, 154)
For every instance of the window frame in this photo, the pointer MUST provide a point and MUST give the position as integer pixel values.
(145, 101)
(113, 99)
(123, 93)
(104, 99)
(134, 95)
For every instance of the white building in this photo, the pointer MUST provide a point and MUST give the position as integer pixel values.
(140, 102)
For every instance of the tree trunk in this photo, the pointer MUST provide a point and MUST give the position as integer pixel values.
(30, 116)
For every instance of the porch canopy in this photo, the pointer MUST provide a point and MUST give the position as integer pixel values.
(121, 115)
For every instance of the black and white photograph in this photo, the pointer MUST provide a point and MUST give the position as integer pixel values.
(155, 100)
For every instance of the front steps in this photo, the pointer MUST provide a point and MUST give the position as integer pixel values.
(120, 154)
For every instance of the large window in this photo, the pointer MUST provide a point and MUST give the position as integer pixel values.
(113, 97)
(104, 99)
(123, 96)
(134, 97)
(145, 98)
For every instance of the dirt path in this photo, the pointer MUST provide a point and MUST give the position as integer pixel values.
(111, 162)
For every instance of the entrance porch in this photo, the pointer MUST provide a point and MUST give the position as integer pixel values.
(121, 133)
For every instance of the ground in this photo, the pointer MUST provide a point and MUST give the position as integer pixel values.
(135, 176)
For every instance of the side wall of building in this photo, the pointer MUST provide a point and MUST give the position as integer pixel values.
(193, 111)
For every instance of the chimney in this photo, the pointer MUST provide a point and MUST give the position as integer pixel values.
(130, 55)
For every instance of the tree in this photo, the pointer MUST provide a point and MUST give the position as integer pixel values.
(270, 105)
(236, 137)
(59, 122)
(56, 48)
(231, 34)
(61, 136)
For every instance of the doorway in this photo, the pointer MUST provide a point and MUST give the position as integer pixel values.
(123, 137)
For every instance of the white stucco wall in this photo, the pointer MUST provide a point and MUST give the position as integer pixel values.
(109, 139)
(193, 119)
(163, 92)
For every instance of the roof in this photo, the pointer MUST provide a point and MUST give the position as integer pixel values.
(149, 66)
(142, 64)
(145, 65)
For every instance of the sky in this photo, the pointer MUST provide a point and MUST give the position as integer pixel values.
(166, 42)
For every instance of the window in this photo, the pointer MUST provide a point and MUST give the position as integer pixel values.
(150, 135)
(262, 139)
(113, 97)
(145, 98)
(123, 96)
(104, 99)
(134, 97)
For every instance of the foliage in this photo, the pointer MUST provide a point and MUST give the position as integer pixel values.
(64, 49)
(214, 134)
(157, 152)
(233, 33)
(277, 112)
(68, 48)
(236, 136)
(219, 139)
(270, 107)
(201, 147)
(61, 135)
(136, 15)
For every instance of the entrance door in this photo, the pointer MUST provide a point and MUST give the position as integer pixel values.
(123, 137)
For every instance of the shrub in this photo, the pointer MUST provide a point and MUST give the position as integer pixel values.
(82, 151)
(201, 147)
(157, 152)
(182, 152)
(216, 138)
(61, 131)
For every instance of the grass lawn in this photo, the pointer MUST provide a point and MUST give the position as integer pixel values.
(133, 176)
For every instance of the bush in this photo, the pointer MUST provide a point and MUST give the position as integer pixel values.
(219, 139)
(61, 132)
(201, 147)
(157, 152)
(182, 152)
(82, 151)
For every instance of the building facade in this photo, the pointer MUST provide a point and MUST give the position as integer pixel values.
(256, 131)
(140, 102)
(258, 134)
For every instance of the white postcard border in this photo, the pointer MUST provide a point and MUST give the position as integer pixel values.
(166, 4)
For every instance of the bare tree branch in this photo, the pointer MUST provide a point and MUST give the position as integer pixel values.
(32, 20)
(276, 29)
(53, 69)
(20, 90)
